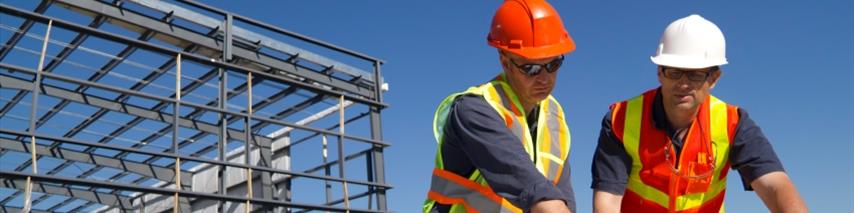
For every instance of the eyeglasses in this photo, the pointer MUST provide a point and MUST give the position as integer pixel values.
(676, 73)
(531, 69)
(700, 169)
(696, 175)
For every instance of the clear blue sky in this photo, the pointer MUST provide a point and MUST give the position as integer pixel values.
(791, 66)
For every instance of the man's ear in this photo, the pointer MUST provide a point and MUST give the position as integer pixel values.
(503, 60)
(716, 75)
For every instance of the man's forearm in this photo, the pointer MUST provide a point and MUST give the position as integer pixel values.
(550, 206)
(779, 193)
(606, 202)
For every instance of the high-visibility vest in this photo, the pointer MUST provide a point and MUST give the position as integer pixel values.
(472, 193)
(656, 184)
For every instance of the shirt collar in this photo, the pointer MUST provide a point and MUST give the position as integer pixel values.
(659, 117)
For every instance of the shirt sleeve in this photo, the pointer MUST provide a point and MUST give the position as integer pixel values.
(752, 154)
(477, 130)
(565, 186)
(611, 164)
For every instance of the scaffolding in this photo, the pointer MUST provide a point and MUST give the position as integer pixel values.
(177, 106)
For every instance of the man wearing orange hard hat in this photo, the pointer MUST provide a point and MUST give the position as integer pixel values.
(503, 146)
(670, 148)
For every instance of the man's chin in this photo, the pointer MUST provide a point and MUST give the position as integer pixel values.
(539, 97)
(686, 106)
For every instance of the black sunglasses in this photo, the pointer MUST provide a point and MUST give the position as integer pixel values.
(676, 73)
(532, 69)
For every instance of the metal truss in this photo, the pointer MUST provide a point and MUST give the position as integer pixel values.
(114, 139)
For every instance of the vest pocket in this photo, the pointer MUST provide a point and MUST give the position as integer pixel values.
(699, 177)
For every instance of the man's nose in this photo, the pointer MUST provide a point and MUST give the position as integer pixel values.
(685, 80)
(543, 78)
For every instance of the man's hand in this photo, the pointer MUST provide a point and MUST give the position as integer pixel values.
(550, 206)
(778, 193)
(606, 202)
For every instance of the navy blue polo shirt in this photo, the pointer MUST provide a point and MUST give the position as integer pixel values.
(476, 138)
(751, 153)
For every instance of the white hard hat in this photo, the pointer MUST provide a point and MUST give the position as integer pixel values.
(691, 42)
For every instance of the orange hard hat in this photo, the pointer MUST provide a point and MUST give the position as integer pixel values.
(529, 28)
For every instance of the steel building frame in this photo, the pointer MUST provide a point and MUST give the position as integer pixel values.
(130, 168)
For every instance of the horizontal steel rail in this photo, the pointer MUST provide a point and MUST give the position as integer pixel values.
(104, 198)
(164, 174)
(182, 193)
(212, 46)
(188, 104)
(196, 159)
(188, 56)
(283, 31)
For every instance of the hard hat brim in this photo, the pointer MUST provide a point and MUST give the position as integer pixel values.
(686, 62)
(539, 52)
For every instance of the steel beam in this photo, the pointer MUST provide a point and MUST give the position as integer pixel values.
(16, 209)
(15, 83)
(377, 134)
(287, 112)
(95, 77)
(10, 44)
(193, 57)
(339, 201)
(109, 199)
(190, 158)
(64, 202)
(188, 104)
(63, 54)
(106, 68)
(179, 36)
(276, 153)
(10, 197)
(161, 173)
(230, 119)
(182, 193)
(16, 37)
(198, 112)
(262, 40)
(81, 207)
(286, 32)
(160, 106)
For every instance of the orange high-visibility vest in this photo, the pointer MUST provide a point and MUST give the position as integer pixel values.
(472, 193)
(657, 182)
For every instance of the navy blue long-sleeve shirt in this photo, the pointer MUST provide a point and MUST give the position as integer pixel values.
(751, 153)
(475, 138)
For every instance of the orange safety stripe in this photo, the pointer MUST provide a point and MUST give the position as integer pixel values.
(559, 173)
(485, 191)
(732, 123)
(508, 119)
(507, 101)
(618, 118)
(439, 198)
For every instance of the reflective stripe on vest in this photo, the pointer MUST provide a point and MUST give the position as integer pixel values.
(652, 184)
(552, 147)
(449, 188)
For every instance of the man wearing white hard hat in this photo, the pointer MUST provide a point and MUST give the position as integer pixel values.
(670, 148)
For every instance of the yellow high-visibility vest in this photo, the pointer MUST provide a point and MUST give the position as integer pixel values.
(472, 193)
